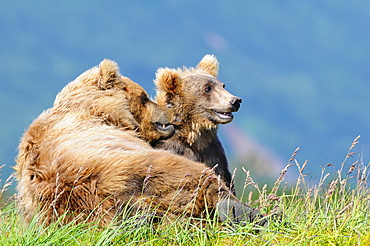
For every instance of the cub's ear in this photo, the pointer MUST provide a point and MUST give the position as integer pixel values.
(108, 74)
(168, 81)
(209, 64)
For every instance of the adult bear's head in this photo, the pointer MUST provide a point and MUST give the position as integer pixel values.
(104, 94)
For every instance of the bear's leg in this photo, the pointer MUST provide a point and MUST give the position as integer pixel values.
(232, 210)
(229, 208)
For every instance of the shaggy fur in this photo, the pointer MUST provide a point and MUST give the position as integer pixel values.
(83, 158)
(199, 103)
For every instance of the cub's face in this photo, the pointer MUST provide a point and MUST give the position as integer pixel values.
(197, 98)
(210, 98)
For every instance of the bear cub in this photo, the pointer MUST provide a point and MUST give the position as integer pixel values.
(199, 103)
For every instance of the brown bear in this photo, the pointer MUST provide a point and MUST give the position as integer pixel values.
(83, 159)
(199, 103)
(100, 96)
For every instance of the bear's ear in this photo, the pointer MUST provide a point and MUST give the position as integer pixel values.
(108, 74)
(168, 81)
(209, 64)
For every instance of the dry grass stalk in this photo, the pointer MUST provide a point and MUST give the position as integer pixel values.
(284, 171)
(8, 182)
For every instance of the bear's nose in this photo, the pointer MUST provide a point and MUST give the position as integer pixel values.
(235, 103)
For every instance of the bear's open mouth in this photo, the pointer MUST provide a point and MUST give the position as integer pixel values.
(165, 129)
(224, 115)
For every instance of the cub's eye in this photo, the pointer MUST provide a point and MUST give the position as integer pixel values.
(208, 89)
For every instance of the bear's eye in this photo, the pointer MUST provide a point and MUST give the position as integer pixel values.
(144, 99)
(208, 88)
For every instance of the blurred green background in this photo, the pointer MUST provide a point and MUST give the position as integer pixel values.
(301, 67)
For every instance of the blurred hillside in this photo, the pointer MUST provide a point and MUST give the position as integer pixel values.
(301, 68)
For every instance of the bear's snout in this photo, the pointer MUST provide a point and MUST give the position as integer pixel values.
(235, 103)
(166, 129)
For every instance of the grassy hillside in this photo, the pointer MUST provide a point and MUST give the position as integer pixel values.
(335, 212)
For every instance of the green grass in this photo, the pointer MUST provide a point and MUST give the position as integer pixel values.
(332, 211)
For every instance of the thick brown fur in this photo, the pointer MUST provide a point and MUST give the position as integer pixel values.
(83, 158)
(199, 103)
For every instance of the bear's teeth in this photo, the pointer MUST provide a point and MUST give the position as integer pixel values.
(224, 114)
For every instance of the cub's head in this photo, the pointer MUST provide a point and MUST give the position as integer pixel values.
(196, 93)
(104, 94)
